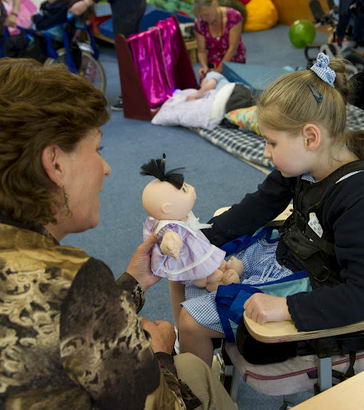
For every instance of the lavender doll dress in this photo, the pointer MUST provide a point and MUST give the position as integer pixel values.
(198, 257)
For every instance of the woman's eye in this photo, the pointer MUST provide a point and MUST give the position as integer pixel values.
(99, 149)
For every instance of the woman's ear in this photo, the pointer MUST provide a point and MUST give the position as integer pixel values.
(312, 137)
(52, 163)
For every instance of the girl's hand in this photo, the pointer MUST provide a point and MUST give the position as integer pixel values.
(139, 265)
(264, 308)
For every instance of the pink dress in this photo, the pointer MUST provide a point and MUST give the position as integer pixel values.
(217, 46)
(198, 257)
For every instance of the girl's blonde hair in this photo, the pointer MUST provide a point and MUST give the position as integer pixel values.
(199, 4)
(293, 101)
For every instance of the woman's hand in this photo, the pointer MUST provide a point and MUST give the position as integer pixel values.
(139, 265)
(264, 308)
(203, 71)
(162, 335)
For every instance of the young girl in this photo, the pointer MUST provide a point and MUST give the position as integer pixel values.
(302, 117)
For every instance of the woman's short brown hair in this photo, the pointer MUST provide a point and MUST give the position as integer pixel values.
(39, 106)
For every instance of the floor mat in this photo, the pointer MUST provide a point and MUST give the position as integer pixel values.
(249, 147)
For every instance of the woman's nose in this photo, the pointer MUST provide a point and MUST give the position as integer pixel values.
(107, 169)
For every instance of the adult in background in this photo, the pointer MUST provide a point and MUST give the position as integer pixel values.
(126, 16)
(71, 336)
(9, 19)
(218, 33)
(351, 10)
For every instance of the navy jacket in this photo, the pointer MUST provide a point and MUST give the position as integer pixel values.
(342, 215)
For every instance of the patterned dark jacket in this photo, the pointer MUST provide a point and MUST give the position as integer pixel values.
(70, 337)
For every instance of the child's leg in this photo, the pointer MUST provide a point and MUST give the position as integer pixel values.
(177, 296)
(195, 338)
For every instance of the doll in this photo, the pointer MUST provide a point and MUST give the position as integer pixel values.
(182, 253)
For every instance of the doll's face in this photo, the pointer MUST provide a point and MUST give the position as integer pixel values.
(162, 200)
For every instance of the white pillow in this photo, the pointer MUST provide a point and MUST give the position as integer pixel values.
(196, 113)
(218, 106)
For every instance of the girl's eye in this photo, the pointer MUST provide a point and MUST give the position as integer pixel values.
(99, 149)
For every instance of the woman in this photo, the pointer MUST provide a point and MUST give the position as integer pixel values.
(70, 334)
(218, 34)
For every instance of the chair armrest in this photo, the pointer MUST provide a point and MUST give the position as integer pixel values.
(285, 331)
(221, 210)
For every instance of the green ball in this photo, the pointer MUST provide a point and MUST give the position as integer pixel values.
(301, 33)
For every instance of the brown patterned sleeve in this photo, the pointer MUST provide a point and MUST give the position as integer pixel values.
(104, 348)
(127, 283)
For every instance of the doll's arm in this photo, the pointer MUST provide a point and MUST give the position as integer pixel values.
(171, 244)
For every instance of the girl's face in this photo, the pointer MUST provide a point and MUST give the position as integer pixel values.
(287, 151)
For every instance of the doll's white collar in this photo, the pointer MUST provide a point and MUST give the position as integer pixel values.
(192, 223)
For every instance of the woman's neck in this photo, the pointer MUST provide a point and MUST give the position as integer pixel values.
(56, 231)
(217, 26)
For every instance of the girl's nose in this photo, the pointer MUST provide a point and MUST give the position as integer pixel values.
(266, 152)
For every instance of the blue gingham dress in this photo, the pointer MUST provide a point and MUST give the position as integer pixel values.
(260, 266)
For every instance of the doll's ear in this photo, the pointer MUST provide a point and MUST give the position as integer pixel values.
(166, 208)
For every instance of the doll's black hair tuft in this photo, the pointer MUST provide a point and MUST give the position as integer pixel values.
(157, 169)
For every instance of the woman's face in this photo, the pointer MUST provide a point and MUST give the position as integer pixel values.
(86, 170)
(209, 13)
